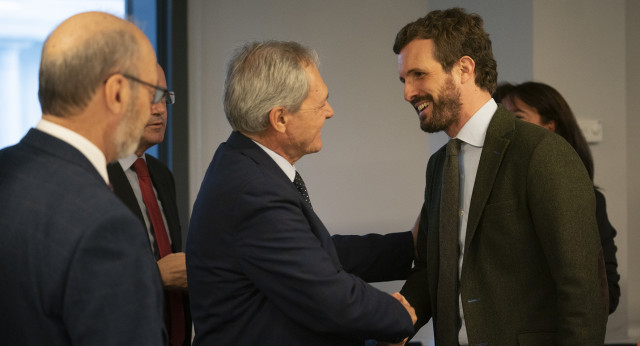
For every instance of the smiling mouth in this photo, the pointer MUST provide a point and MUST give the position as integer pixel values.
(422, 106)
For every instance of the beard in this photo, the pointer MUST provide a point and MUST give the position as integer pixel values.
(444, 112)
(130, 129)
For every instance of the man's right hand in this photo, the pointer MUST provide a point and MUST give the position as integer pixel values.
(405, 303)
(173, 271)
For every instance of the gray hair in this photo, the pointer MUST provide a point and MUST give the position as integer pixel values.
(69, 79)
(264, 75)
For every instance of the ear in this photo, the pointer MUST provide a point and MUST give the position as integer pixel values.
(116, 94)
(467, 69)
(551, 126)
(278, 119)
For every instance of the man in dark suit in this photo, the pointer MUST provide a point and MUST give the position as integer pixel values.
(72, 270)
(126, 186)
(262, 268)
(513, 258)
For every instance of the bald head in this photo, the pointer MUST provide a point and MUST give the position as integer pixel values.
(81, 53)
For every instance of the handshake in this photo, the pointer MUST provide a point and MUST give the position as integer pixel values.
(410, 310)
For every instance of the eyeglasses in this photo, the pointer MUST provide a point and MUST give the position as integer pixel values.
(160, 94)
(171, 98)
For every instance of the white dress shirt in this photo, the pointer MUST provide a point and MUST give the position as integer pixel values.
(287, 168)
(472, 136)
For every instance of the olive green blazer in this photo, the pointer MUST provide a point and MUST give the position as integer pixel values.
(532, 272)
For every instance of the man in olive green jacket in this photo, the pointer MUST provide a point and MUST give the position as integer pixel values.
(528, 266)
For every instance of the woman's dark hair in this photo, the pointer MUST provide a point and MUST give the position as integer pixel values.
(552, 107)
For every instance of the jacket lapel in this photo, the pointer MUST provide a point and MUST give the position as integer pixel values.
(123, 190)
(496, 142)
(248, 148)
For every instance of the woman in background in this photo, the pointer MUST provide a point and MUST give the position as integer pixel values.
(542, 105)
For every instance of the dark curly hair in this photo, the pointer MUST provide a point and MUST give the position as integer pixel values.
(455, 34)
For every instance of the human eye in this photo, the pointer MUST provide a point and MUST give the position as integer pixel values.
(419, 74)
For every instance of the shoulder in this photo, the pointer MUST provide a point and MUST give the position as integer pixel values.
(505, 125)
(235, 175)
(523, 138)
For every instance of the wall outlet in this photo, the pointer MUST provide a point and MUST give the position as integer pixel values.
(592, 130)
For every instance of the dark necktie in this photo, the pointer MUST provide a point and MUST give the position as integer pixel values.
(447, 323)
(302, 188)
(176, 326)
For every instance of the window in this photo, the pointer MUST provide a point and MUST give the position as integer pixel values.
(24, 25)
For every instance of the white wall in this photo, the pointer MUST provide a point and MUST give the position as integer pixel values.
(369, 177)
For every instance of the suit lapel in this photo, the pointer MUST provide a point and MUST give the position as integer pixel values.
(496, 142)
(247, 147)
(122, 189)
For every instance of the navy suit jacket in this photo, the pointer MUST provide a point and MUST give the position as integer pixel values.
(70, 257)
(163, 181)
(263, 269)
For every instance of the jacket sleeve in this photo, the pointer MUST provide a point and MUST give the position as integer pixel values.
(562, 206)
(375, 257)
(291, 259)
(417, 288)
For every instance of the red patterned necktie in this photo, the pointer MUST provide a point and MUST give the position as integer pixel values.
(176, 327)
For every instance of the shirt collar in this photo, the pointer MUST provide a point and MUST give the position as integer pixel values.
(286, 167)
(88, 149)
(475, 130)
(127, 162)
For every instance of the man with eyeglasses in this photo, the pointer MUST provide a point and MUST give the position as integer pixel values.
(70, 259)
(129, 188)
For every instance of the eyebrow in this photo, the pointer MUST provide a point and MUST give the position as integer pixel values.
(411, 72)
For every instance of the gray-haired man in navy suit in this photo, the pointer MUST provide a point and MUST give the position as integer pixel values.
(262, 267)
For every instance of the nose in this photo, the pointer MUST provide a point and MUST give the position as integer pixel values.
(410, 91)
(330, 112)
(159, 108)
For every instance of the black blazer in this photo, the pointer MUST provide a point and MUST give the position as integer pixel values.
(163, 181)
(70, 259)
(263, 269)
(609, 249)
